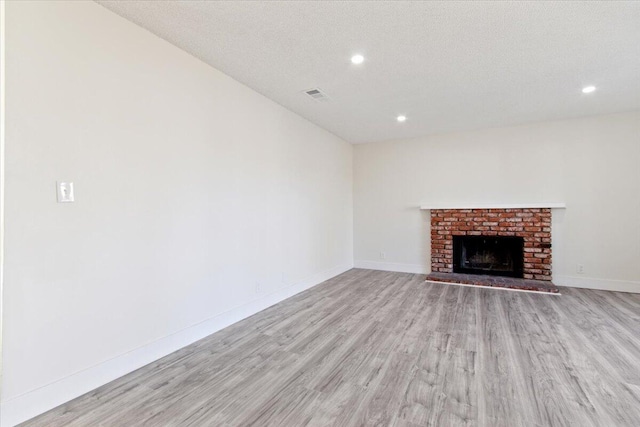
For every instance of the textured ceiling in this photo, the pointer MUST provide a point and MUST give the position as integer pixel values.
(447, 66)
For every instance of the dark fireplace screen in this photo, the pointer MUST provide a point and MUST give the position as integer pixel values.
(491, 255)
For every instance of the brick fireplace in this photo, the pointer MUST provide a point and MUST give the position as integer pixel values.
(532, 225)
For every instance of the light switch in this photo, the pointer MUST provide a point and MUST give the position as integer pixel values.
(65, 192)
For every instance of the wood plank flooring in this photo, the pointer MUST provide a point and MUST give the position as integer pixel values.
(388, 349)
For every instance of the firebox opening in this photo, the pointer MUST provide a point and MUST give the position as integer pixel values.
(490, 255)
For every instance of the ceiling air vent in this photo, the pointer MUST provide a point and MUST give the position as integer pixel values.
(317, 94)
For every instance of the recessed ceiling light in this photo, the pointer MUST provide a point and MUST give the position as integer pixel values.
(401, 119)
(357, 59)
(588, 89)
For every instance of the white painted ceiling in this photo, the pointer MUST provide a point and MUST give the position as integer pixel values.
(447, 66)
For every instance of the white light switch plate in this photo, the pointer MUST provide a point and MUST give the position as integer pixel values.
(65, 192)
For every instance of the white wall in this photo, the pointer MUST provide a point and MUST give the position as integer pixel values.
(190, 190)
(591, 164)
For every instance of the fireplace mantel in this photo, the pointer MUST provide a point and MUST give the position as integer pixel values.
(555, 205)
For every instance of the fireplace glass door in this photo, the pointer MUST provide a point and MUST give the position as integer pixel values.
(489, 255)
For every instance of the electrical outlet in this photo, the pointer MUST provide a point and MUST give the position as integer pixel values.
(580, 269)
(383, 255)
(65, 192)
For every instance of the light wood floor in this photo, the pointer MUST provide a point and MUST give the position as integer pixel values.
(378, 348)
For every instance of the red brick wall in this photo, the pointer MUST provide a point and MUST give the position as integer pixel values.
(533, 225)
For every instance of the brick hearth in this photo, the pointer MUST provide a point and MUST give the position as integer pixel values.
(495, 282)
(533, 225)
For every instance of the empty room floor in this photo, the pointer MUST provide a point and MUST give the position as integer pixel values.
(380, 348)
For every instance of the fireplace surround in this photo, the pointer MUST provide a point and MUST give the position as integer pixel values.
(531, 226)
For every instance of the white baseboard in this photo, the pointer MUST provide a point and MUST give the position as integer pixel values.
(38, 401)
(602, 284)
(391, 266)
